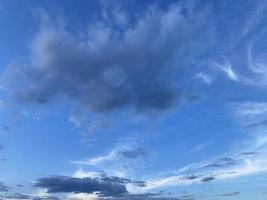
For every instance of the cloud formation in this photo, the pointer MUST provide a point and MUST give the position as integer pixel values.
(119, 152)
(111, 69)
(17, 196)
(103, 186)
(229, 194)
(3, 187)
(32, 197)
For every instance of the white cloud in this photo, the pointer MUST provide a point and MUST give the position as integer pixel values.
(244, 167)
(80, 173)
(227, 69)
(129, 151)
(250, 108)
(197, 148)
(261, 141)
(82, 196)
(205, 77)
(99, 159)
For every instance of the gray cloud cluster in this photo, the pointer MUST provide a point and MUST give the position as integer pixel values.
(132, 153)
(207, 179)
(250, 153)
(222, 162)
(191, 177)
(229, 194)
(115, 179)
(110, 69)
(3, 187)
(104, 186)
(200, 178)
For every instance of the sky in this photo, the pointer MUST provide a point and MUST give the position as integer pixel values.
(133, 99)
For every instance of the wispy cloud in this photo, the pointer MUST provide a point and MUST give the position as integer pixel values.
(120, 152)
(205, 77)
(229, 194)
(250, 108)
(217, 170)
(227, 69)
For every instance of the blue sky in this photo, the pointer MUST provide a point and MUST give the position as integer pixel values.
(126, 100)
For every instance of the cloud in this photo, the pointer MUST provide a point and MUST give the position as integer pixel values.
(207, 179)
(3, 187)
(82, 196)
(250, 153)
(227, 69)
(18, 196)
(97, 188)
(20, 185)
(32, 197)
(250, 108)
(149, 196)
(205, 77)
(229, 194)
(103, 186)
(257, 124)
(132, 153)
(251, 114)
(99, 159)
(196, 148)
(222, 162)
(191, 177)
(85, 174)
(240, 164)
(119, 152)
(45, 198)
(109, 69)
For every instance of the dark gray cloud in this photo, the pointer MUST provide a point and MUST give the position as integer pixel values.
(250, 153)
(105, 186)
(207, 179)
(3, 187)
(109, 69)
(112, 187)
(229, 194)
(191, 177)
(132, 153)
(115, 179)
(222, 162)
(20, 185)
